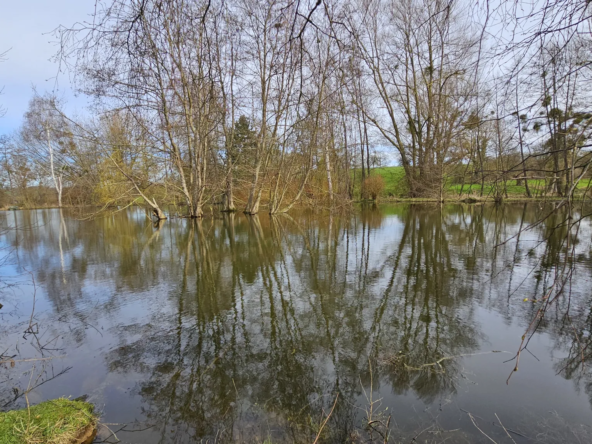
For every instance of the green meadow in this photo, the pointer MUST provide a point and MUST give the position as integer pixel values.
(396, 187)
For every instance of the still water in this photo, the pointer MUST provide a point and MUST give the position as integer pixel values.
(397, 323)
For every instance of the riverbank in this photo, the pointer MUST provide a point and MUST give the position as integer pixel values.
(449, 199)
(467, 199)
(395, 188)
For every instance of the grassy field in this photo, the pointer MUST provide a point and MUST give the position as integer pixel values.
(396, 187)
(394, 180)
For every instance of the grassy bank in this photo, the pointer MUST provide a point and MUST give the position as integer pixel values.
(396, 188)
(58, 421)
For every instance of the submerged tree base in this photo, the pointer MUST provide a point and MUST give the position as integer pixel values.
(58, 421)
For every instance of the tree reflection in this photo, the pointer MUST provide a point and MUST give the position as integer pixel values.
(426, 307)
(252, 326)
(273, 320)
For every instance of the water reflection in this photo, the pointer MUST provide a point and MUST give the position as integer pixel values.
(246, 328)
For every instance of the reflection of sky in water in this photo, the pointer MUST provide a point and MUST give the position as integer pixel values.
(174, 327)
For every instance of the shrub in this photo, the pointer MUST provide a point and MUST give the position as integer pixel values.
(373, 186)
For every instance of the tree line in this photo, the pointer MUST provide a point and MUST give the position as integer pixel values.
(266, 105)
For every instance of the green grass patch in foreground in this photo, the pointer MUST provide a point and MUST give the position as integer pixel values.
(59, 421)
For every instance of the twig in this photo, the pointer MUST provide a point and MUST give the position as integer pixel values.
(66, 370)
(424, 430)
(446, 358)
(484, 434)
(121, 429)
(500, 421)
(32, 359)
(326, 419)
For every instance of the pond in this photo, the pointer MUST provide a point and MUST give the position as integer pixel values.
(388, 324)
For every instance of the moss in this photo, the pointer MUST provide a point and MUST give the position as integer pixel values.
(58, 421)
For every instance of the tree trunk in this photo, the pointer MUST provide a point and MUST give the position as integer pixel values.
(328, 169)
(58, 186)
(557, 174)
(156, 211)
(228, 198)
(158, 214)
(198, 212)
(252, 206)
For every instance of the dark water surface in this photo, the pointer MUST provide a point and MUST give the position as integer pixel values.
(249, 329)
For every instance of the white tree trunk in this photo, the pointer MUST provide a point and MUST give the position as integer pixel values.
(328, 167)
(57, 183)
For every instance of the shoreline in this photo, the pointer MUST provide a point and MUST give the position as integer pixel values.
(384, 200)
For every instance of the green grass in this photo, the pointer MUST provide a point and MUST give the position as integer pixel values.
(394, 181)
(58, 421)
(489, 189)
(396, 186)
(537, 188)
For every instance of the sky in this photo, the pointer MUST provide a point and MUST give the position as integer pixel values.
(25, 31)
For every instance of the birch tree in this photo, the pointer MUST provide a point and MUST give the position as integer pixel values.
(48, 139)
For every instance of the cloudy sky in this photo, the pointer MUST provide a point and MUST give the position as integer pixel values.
(25, 30)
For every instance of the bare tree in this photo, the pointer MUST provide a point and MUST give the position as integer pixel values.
(137, 172)
(156, 60)
(271, 80)
(47, 136)
(419, 57)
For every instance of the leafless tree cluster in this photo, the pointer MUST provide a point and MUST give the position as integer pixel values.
(247, 104)
(223, 95)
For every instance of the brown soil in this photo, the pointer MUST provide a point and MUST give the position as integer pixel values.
(86, 436)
